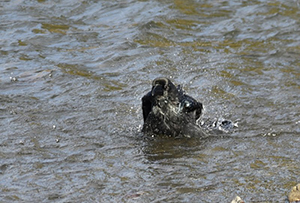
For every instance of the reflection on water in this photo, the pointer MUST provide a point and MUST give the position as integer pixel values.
(82, 66)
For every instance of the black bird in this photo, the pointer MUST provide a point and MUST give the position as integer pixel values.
(168, 111)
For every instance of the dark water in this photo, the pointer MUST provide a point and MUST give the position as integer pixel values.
(72, 74)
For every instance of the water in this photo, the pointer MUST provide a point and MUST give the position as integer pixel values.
(72, 74)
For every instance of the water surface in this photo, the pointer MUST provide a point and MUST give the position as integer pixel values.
(72, 74)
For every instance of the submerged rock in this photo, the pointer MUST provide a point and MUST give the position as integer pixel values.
(237, 199)
(294, 195)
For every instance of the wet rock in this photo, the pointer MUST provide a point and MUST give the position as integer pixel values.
(294, 195)
(237, 199)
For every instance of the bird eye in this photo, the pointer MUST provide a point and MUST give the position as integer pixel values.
(187, 104)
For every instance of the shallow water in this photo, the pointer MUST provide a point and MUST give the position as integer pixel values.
(72, 74)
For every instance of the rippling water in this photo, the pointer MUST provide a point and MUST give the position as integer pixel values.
(72, 74)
